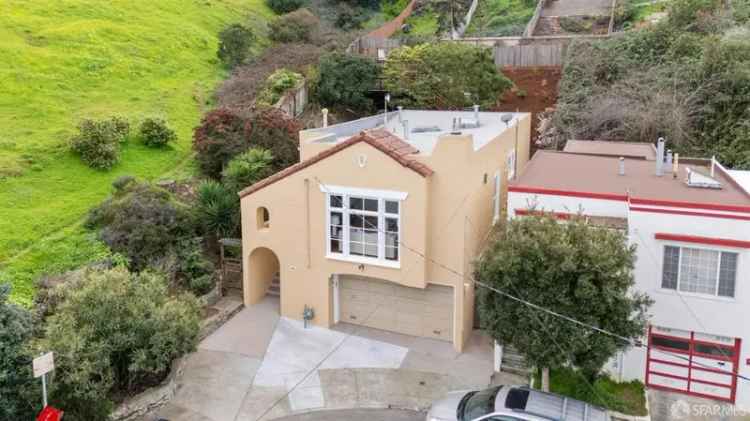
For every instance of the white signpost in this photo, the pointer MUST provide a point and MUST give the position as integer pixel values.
(43, 364)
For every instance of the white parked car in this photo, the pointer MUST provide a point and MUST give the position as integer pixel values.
(513, 403)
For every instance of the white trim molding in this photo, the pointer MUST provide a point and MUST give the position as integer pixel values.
(356, 191)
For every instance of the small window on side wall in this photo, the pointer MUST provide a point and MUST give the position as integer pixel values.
(263, 218)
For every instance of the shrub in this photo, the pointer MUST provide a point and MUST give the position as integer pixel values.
(98, 142)
(221, 135)
(235, 42)
(273, 130)
(142, 222)
(438, 76)
(297, 26)
(156, 133)
(193, 269)
(277, 84)
(350, 18)
(15, 361)
(117, 334)
(248, 168)
(217, 210)
(284, 6)
(345, 80)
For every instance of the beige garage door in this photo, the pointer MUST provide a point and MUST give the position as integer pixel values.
(388, 306)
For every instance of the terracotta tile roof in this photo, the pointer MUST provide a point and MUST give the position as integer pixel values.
(380, 139)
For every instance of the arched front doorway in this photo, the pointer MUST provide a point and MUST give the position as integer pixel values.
(263, 275)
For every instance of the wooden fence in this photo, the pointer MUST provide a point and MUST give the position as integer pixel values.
(294, 101)
(530, 55)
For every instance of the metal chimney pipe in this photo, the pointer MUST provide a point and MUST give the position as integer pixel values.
(406, 129)
(476, 113)
(621, 170)
(325, 117)
(713, 165)
(660, 157)
(400, 113)
(669, 160)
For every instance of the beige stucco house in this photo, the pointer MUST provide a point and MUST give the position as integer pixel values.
(380, 221)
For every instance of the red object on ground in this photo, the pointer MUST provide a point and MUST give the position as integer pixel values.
(50, 414)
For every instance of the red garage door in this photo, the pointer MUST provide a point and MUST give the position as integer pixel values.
(693, 363)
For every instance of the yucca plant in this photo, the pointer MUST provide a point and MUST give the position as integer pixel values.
(218, 209)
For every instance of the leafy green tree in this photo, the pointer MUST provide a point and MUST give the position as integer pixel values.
(444, 75)
(297, 26)
(235, 43)
(248, 168)
(221, 135)
(117, 334)
(15, 360)
(575, 269)
(344, 81)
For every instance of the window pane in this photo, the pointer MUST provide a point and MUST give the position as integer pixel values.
(371, 205)
(391, 207)
(371, 237)
(371, 222)
(336, 218)
(337, 201)
(355, 234)
(698, 270)
(356, 248)
(391, 253)
(670, 269)
(337, 232)
(371, 250)
(391, 240)
(727, 274)
(336, 246)
(716, 350)
(391, 224)
(355, 203)
(683, 345)
(356, 221)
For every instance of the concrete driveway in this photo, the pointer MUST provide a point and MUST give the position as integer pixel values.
(258, 366)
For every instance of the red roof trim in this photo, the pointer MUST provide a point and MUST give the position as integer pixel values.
(677, 212)
(690, 205)
(553, 192)
(726, 242)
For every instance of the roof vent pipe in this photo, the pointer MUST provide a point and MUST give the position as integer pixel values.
(476, 113)
(400, 113)
(669, 161)
(621, 170)
(660, 157)
(713, 165)
(325, 117)
(406, 129)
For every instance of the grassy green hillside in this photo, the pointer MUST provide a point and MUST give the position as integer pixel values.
(64, 60)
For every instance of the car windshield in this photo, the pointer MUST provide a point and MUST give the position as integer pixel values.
(480, 404)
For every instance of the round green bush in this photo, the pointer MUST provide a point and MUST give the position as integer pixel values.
(98, 142)
(296, 26)
(156, 133)
(284, 6)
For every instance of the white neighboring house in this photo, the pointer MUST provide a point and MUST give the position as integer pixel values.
(690, 221)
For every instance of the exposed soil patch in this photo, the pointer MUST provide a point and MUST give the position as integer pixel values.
(535, 91)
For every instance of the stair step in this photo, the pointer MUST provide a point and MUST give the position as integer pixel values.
(274, 293)
(518, 371)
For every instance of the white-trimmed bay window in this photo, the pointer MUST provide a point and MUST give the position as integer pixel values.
(364, 227)
(700, 271)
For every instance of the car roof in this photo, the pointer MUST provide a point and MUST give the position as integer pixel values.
(524, 400)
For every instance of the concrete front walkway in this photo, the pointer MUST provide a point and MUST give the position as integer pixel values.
(260, 367)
